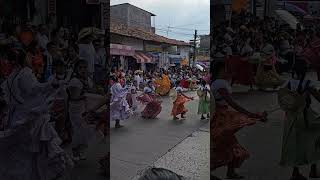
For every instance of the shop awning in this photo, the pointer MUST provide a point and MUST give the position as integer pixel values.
(142, 57)
(121, 50)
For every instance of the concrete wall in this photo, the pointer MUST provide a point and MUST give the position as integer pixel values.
(137, 44)
(131, 16)
(139, 18)
(119, 14)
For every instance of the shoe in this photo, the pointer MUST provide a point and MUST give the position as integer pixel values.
(119, 126)
(202, 118)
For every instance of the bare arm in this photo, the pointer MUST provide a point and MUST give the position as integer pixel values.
(226, 96)
(314, 93)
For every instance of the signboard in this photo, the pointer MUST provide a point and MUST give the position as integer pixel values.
(153, 48)
(52, 7)
(105, 15)
(93, 1)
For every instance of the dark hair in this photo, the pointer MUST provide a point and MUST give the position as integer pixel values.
(17, 56)
(51, 45)
(160, 174)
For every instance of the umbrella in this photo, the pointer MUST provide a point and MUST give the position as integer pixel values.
(199, 67)
(288, 18)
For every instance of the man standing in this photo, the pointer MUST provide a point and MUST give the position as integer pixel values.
(86, 49)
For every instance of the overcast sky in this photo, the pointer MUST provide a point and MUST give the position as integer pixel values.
(183, 16)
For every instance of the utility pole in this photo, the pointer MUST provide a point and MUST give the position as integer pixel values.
(195, 47)
(254, 7)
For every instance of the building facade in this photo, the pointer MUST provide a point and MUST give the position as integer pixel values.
(132, 16)
(139, 47)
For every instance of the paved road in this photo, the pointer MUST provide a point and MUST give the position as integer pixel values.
(263, 140)
(142, 142)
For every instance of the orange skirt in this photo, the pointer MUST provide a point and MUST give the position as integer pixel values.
(178, 106)
(225, 148)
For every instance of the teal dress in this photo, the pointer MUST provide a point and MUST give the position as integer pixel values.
(204, 101)
(300, 144)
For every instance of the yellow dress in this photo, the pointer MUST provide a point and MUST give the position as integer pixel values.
(163, 85)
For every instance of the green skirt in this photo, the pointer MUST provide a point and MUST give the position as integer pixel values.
(204, 106)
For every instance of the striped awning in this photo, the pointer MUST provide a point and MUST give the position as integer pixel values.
(142, 57)
(121, 50)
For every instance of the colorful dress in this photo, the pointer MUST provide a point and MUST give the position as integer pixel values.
(178, 104)
(119, 107)
(267, 76)
(204, 100)
(163, 85)
(224, 124)
(300, 144)
(29, 145)
(81, 132)
(58, 110)
(153, 106)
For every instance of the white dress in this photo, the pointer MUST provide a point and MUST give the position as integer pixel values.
(81, 131)
(119, 107)
(29, 146)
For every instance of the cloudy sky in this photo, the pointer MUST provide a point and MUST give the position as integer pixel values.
(181, 16)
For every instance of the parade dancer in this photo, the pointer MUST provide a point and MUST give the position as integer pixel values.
(153, 106)
(225, 123)
(59, 112)
(133, 92)
(267, 76)
(29, 144)
(77, 87)
(119, 107)
(301, 137)
(178, 104)
(204, 100)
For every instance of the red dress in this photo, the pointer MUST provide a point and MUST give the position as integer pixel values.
(224, 145)
(153, 106)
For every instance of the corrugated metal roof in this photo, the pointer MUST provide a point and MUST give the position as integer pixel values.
(123, 30)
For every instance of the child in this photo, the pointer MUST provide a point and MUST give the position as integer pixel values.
(133, 91)
(204, 99)
(178, 104)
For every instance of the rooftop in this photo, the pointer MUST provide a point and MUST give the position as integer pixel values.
(123, 30)
(128, 4)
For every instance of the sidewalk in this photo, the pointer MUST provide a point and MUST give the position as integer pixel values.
(189, 158)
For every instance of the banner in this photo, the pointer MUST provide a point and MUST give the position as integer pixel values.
(238, 5)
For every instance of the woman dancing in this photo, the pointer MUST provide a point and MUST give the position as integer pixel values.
(178, 104)
(225, 123)
(29, 144)
(149, 97)
(301, 137)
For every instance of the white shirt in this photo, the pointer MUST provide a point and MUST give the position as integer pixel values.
(217, 85)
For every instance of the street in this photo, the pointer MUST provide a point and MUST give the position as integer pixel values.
(263, 140)
(160, 142)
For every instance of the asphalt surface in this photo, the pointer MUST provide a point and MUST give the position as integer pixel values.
(161, 142)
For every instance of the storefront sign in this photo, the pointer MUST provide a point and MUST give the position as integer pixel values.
(121, 50)
(153, 48)
(52, 7)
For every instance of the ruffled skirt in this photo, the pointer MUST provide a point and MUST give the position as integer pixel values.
(32, 152)
(225, 148)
